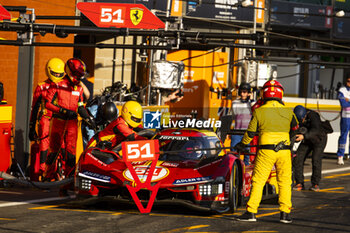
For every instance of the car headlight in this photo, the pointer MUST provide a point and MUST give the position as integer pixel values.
(85, 184)
(210, 189)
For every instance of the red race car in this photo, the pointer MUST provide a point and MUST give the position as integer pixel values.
(193, 169)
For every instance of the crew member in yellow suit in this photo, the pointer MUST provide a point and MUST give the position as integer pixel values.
(274, 122)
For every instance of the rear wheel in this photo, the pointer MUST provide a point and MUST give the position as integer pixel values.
(235, 190)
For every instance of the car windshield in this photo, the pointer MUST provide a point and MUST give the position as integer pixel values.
(186, 148)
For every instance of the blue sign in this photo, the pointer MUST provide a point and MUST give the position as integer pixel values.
(152, 120)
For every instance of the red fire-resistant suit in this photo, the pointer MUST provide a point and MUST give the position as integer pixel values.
(116, 132)
(43, 117)
(64, 95)
(255, 140)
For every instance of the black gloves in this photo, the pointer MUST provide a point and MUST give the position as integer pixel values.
(91, 122)
(68, 114)
(32, 132)
(240, 147)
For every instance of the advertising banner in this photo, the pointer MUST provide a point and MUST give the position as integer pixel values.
(228, 10)
(299, 15)
(120, 15)
(341, 27)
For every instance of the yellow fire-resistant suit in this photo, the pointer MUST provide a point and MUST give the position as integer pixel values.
(273, 121)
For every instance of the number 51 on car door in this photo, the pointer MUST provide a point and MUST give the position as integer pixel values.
(140, 150)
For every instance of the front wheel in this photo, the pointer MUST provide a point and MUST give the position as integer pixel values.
(235, 189)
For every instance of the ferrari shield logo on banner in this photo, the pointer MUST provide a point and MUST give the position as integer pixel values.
(136, 15)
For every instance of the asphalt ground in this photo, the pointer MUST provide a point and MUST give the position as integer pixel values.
(33, 210)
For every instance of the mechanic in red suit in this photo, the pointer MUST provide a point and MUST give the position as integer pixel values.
(39, 114)
(124, 128)
(255, 140)
(65, 100)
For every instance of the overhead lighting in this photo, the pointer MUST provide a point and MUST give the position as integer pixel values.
(340, 13)
(246, 3)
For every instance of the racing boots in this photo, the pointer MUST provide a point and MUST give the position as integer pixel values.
(340, 160)
(299, 187)
(315, 188)
(247, 217)
(285, 218)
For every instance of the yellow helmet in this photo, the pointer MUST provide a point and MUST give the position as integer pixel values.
(132, 113)
(55, 69)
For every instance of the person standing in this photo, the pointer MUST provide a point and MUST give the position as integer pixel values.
(65, 100)
(274, 122)
(344, 99)
(315, 140)
(40, 116)
(242, 113)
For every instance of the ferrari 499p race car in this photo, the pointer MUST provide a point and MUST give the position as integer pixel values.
(193, 169)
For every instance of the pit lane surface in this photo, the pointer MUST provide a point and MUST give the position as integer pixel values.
(32, 210)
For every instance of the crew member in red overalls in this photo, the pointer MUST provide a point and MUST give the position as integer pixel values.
(124, 128)
(54, 72)
(65, 100)
(255, 140)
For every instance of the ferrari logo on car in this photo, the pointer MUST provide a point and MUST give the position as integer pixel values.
(142, 173)
(136, 15)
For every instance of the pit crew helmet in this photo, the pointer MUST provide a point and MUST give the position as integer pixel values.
(55, 69)
(75, 69)
(244, 87)
(109, 112)
(132, 113)
(273, 90)
(300, 112)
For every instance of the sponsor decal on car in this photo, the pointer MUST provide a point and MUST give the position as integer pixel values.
(180, 138)
(95, 176)
(196, 180)
(137, 162)
(142, 173)
(167, 164)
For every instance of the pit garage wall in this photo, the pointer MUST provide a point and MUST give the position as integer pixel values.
(202, 71)
(291, 76)
(290, 83)
(326, 78)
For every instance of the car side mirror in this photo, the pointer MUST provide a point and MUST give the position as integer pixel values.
(218, 147)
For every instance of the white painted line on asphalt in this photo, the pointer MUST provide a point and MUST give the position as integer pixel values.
(7, 204)
(330, 171)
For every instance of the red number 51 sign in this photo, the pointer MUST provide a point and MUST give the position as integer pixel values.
(140, 150)
(120, 15)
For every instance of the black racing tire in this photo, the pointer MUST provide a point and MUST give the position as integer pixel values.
(235, 188)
